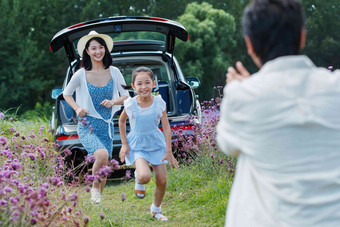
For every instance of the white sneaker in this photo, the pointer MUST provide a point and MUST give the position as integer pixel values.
(95, 196)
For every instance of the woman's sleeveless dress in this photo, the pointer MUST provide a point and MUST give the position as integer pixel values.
(146, 140)
(99, 138)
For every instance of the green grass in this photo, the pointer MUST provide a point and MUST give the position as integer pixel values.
(193, 198)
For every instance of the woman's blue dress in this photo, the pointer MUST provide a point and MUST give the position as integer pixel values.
(98, 138)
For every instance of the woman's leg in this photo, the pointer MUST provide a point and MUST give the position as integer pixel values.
(102, 159)
(160, 175)
(143, 171)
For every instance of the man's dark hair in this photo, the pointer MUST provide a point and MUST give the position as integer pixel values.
(107, 60)
(274, 27)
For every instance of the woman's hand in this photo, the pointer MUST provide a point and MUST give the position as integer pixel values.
(107, 103)
(81, 112)
(171, 159)
(124, 151)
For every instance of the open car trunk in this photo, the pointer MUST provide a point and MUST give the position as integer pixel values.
(112, 26)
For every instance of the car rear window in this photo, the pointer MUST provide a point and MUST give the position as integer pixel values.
(159, 70)
(135, 36)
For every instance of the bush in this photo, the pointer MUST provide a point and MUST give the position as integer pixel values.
(203, 141)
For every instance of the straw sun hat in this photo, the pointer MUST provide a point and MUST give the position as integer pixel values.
(83, 40)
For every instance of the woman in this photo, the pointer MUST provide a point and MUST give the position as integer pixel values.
(97, 85)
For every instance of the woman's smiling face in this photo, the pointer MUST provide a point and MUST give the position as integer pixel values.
(96, 51)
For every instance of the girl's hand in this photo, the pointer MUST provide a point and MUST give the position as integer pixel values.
(107, 103)
(124, 151)
(171, 159)
(81, 112)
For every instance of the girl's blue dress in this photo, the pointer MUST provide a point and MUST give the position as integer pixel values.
(145, 138)
(99, 138)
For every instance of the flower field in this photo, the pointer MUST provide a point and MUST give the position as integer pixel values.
(34, 189)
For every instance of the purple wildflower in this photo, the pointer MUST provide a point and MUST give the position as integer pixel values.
(73, 197)
(84, 121)
(15, 216)
(43, 192)
(91, 129)
(86, 219)
(31, 136)
(3, 140)
(33, 221)
(67, 152)
(3, 203)
(33, 195)
(123, 196)
(2, 115)
(115, 164)
(128, 174)
(14, 200)
(90, 159)
(104, 171)
(31, 156)
(7, 190)
(102, 216)
(45, 140)
(90, 178)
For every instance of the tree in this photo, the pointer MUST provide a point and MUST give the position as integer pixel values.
(207, 53)
(323, 37)
(27, 71)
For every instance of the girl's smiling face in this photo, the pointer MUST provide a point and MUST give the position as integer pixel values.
(143, 84)
(96, 51)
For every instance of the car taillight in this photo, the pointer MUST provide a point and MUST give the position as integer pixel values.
(70, 137)
(181, 127)
(76, 25)
(158, 19)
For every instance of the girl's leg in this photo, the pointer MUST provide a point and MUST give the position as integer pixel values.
(102, 158)
(102, 185)
(142, 177)
(160, 175)
(143, 171)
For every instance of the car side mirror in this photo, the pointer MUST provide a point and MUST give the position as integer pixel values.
(56, 93)
(182, 86)
(194, 82)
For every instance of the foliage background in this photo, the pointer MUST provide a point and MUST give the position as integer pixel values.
(29, 71)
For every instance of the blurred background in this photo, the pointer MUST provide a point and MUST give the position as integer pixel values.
(29, 70)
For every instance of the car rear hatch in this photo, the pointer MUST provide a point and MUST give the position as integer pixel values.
(115, 27)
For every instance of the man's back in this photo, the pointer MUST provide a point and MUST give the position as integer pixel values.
(285, 120)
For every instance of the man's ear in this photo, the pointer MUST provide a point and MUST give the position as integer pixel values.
(251, 52)
(154, 84)
(250, 47)
(303, 38)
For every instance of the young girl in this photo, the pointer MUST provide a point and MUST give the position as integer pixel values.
(145, 143)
